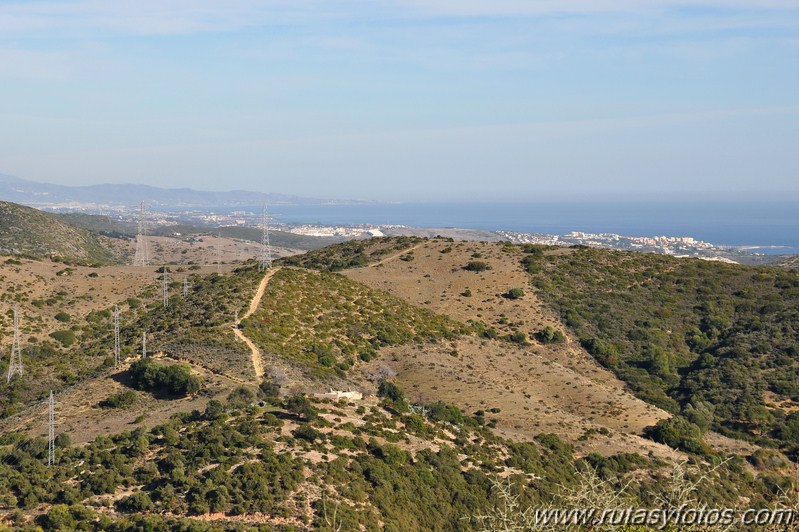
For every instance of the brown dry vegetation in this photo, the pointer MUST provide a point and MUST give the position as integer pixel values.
(44, 289)
(537, 388)
(83, 419)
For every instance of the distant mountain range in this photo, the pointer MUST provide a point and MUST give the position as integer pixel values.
(48, 195)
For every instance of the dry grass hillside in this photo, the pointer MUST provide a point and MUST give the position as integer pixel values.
(73, 302)
(525, 387)
(531, 389)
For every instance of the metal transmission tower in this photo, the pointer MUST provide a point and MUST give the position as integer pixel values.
(185, 286)
(218, 253)
(15, 364)
(166, 287)
(142, 257)
(144, 345)
(117, 357)
(266, 248)
(51, 431)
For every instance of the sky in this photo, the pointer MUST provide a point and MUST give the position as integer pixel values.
(414, 100)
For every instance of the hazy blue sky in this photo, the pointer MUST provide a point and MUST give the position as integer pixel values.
(417, 99)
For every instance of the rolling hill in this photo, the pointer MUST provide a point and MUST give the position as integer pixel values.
(477, 388)
(27, 231)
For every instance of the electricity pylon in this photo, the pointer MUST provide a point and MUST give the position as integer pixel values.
(266, 248)
(166, 287)
(117, 356)
(142, 257)
(218, 253)
(15, 364)
(51, 430)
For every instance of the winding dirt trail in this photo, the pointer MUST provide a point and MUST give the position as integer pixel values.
(395, 256)
(257, 364)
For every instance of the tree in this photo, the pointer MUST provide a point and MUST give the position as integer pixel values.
(138, 502)
(300, 405)
(241, 397)
(393, 394)
(679, 433)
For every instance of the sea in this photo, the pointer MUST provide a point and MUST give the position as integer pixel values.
(769, 228)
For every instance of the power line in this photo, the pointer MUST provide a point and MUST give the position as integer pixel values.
(117, 357)
(219, 253)
(166, 287)
(266, 248)
(142, 257)
(51, 431)
(15, 364)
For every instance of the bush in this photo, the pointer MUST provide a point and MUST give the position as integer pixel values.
(518, 337)
(214, 410)
(138, 502)
(120, 400)
(440, 411)
(550, 335)
(269, 389)
(301, 406)
(476, 266)
(63, 317)
(514, 293)
(149, 375)
(57, 518)
(241, 397)
(65, 338)
(679, 433)
(308, 433)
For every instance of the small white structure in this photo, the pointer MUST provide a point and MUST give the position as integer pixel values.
(338, 394)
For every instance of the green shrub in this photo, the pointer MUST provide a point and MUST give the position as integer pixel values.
(120, 400)
(550, 335)
(177, 379)
(138, 502)
(679, 433)
(65, 338)
(63, 317)
(476, 266)
(307, 432)
(518, 337)
(241, 397)
(393, 394)
(514, 293)
(300, 405)
(440, 411)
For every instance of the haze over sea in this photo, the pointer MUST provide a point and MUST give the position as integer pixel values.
(734, 224)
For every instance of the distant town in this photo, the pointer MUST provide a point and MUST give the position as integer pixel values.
(678, 246)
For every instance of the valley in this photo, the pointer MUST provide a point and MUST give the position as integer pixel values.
(440, 337)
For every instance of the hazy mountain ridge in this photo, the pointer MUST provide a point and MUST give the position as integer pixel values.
(39, 194)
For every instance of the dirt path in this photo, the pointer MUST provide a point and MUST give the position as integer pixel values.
(395, 256)
(257, 364)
